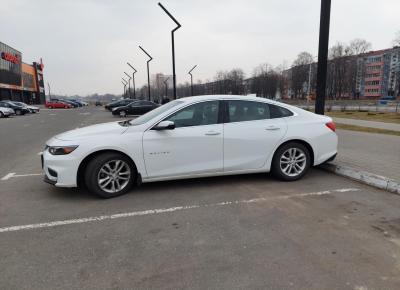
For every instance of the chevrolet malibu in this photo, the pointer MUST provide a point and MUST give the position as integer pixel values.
(190, 138)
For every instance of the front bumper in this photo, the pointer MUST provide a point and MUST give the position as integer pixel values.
(60, 170)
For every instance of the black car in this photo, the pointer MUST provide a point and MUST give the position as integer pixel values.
(19, 110)
(135, 108)
(119, 103)
(72, 103)
(98, 103)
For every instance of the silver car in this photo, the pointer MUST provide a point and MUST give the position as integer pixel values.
(6, 112)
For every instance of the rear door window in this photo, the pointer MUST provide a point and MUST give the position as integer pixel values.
(242, 111)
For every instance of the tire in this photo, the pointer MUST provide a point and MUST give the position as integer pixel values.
(97, 170)
(50, 107)
(66, 107)
(1, 115)
(18, 112)
(291, 161)
(122, 114)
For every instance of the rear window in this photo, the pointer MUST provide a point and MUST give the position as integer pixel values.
(279, 112)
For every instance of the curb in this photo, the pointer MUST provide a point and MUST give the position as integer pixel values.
(368, 178)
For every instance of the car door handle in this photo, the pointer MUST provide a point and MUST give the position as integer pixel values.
(272, 128)
(212, 133)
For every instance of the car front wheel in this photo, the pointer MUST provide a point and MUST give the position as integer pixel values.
(18, 112)
(110, 175)
(122, 114)
(291, 161)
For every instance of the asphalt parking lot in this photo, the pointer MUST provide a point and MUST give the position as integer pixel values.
(241, 232)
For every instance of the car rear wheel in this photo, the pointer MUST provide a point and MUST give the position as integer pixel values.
(122, 114)
(18, 112)
(110, 175)
(291, 161)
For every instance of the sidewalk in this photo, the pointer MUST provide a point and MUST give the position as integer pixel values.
(374, 153)
(371, 124)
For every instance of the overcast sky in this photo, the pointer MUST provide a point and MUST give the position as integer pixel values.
(85, 43)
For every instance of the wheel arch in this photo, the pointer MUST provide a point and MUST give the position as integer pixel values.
(305, 143)
(91, 156)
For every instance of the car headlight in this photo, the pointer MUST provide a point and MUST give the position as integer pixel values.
(61, 150)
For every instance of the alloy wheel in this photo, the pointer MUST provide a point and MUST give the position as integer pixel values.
(293, 162)
(114, 176)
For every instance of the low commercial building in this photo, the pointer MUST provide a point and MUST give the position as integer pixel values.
(20, 81)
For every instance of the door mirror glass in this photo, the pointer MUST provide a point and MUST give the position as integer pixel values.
(164, 125)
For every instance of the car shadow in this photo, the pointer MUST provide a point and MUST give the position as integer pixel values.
(184, 185)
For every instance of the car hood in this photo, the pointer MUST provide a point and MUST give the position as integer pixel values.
(105, 129)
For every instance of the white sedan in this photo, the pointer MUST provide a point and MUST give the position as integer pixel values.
(189, 138)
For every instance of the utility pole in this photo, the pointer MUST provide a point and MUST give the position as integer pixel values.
(129, 84)
(173, 45)
(148, 73)
(133, 80)
(323, 56)
(191, 79)
(166, 87)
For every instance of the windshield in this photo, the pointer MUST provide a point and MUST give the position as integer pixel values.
(150, 115)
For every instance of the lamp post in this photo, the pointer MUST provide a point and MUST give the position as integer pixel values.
(125, 83)
(129, 84)
(124, 87)
(323, 56)
(173, 45)
(191, 79)
(148, 73)
(166, 87)
(133, 80)
(48, 86)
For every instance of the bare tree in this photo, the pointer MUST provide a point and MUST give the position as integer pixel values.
(303, 58)
(358, 46)
(396, 41)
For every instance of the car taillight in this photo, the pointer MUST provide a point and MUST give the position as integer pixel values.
(331, 126)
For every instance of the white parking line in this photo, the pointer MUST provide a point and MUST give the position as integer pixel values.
(165, 210)
(13, 174)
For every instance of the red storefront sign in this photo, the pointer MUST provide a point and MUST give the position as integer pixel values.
(10, 57)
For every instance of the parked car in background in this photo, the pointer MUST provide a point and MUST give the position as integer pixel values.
(32, 109)
(191, 138)
(6, 112)
(85, 104)
(80, 103)
(19, 110)
(72, 103)
(57, 104)
(134, 108)
(119, 103)
(98, 103)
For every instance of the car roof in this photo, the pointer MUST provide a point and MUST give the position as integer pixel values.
(235, 97)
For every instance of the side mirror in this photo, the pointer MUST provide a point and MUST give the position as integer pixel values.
(164, 125)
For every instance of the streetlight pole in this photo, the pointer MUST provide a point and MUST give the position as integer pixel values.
(124, 87)
(323, 56)
(148, 73)
(129, 84)
(191, 79)
(133, 80)
(48, 86)
(173, 45)
(125, 83)
(166, 87)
